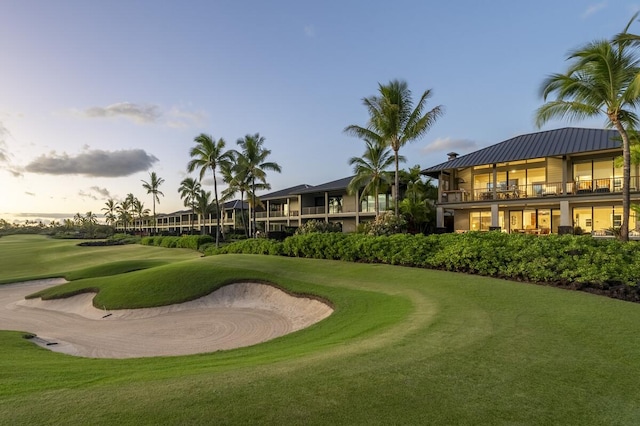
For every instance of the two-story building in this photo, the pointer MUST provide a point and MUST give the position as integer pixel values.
(546, 182)
(329, 202)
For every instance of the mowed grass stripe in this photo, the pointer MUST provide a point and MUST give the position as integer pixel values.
(432, 347)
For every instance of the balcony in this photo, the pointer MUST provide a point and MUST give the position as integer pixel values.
(539, 190)
(313, 210)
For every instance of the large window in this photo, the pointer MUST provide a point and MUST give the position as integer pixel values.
(601, 218)
(368, 205)
(481, 220)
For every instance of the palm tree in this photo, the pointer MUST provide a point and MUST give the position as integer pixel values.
(420, 197)
(393, 121)
(254, 163)
(110, 211)
(603, 79)
(370, 171)
(189, 189)
(235, 176)
(140, 210)
(123, 213)
(204, 206)
(152, 188)
(209, 154)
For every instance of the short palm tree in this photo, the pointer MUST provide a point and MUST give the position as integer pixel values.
(152, 188)
(204, 206)
(189, 190)
(602, 80)
(209, 154)
(394, 121)
(370, 171)
(255, 165)
(235, 177)
(140, 211)
(110, 211)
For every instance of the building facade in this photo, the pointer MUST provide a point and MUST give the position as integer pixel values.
(555, 181)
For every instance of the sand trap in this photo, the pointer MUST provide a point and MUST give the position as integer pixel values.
(233, 316)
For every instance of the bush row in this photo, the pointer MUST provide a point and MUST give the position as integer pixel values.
(186, 241)
(575, 261)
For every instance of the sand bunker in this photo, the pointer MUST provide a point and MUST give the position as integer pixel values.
(233, 316)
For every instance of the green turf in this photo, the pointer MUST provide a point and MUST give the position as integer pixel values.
(405, 346)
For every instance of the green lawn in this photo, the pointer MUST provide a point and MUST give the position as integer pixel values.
(404, 346)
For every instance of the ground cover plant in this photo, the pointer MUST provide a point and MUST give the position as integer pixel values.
(603, 266)
(404, 346)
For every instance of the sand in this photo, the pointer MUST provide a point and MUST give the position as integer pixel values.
(233, 316)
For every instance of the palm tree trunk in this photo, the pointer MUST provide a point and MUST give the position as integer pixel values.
(253, 211)
(396, 192)
(626, 180)
(244, 222)
(376, 203)
(215, 190)
(155, 225)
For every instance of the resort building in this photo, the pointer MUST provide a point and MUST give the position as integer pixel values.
(329, 202)
(548, 182)
(278, 211)
(183, 221)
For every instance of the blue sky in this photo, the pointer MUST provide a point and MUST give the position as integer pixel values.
(95, 95)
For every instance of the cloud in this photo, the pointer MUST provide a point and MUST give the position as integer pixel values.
(134, 112)
(4, 154)
(448, 144)
(310, 31)
(93, 163)
(180, 118)
(594, 8)
(175, 117)
(104, 192)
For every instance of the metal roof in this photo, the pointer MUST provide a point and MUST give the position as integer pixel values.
(294, 190)
(565, 141)
(329, 186)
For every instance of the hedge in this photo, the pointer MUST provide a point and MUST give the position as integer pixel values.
(567, 260)
(186, 241)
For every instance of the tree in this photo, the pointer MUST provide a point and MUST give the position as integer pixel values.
(140, 210)
(235, 176)
(123, 214)
(209, 154)
(393, 121)
(152, 188)
(90, 220)
(255, 165)
(109, 210)
(603, 79)
(204, 206)
(418, 203)
(189, 189)
(370, 171)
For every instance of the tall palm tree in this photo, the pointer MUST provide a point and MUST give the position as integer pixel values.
(603, 79)
(370, 171)
(110, 211)
(209, 154)
(394, 121)
(152, 188)
(189, 189)
(255, 165)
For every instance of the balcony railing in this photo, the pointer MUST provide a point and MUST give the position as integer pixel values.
(313, 210)
(535, 190)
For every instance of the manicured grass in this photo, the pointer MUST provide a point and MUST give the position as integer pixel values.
(405, 346)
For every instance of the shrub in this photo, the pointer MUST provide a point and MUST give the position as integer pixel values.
(318, 226)
(386, 223)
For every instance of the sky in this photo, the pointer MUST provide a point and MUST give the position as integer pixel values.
(96, 95)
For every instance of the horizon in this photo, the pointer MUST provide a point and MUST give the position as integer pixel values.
(99, 95)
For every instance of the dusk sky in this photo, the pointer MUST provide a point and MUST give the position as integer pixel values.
(95, 95)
